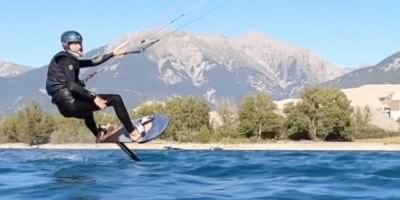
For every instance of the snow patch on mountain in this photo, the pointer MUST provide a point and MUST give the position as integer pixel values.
(8, 69)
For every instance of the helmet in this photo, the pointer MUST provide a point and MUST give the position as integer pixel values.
(70, 36)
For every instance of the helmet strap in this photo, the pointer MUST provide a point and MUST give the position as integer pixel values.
(76, 54)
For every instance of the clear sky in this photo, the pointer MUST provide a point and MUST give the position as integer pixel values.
(347, 33)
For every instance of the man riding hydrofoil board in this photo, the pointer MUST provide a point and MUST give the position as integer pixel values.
(73, 100)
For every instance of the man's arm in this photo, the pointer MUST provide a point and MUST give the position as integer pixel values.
(74, 87)
(95, 61)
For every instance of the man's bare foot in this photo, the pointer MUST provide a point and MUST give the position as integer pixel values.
(135, 134)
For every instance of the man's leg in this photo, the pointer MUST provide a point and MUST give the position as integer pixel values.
(115, 101)
(122, 114)
(100, 133)
(91, 124)
(83, 109)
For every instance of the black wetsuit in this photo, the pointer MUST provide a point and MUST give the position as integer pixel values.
(70, 96)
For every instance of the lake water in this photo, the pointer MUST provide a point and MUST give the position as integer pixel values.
(175, 174)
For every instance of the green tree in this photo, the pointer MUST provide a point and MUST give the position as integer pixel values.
(69, 130)
(148, 108)
(33, 126)
(322, 113)
(258, 118)
(361, 118)
(362, 128)
(229, 120)
(297, 124)
(187, 115)
(8, 130)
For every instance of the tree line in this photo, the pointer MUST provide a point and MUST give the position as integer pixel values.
(322, 114)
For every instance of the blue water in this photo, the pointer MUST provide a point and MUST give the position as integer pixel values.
(169, 174)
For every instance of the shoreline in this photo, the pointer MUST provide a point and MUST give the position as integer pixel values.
(278, 146)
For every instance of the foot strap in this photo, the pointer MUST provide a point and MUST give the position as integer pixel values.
(139, 125)
(140, 128)
(146, 119)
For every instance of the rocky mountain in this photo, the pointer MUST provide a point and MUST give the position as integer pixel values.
(211, 66)
(8, 69)
(385, 72)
